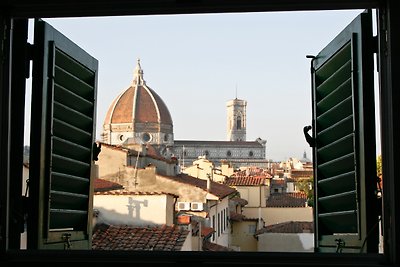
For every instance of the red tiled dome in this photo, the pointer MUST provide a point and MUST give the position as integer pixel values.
(138, 104)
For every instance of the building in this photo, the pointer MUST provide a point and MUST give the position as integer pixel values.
(138, 115)
(237, 153)
(205, 169)
(236, 120)
(13, 11)
(206, 201)
(291, 236)
(124, 220)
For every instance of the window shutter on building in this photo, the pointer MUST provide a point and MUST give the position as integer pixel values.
(346, 211)
(64, 88)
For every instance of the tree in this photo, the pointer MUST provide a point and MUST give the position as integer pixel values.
(379, 165)
(307, 186)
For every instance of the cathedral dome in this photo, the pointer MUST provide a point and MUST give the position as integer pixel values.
(139, 103)
(138, 115)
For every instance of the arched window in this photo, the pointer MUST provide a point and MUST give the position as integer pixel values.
(239, 122)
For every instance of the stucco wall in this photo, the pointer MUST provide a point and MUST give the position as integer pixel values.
(202, 168)
(111, 161)
(242, 236)
(255, 195)
(285, 242)
(187, 245)
(138, 210)
(279, 215)
(220, 226)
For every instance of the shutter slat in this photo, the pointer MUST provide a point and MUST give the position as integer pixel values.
(336, 184)
(73, 83)
(337, 130)
(337, 149)
(72, 100)
(68, 182)
(72, 117)
(336, 113)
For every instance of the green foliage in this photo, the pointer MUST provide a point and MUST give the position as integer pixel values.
(307, 186)
(379, 165)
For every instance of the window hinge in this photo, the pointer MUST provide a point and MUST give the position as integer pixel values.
(340, 244)
(67, 241)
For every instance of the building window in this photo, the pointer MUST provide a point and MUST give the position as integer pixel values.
(251, 154)
(219, 225)
(227, 218)
(228, 153)
(213, 226)
(239, 123)
(252, 229)
(224, 221)
(146, 137)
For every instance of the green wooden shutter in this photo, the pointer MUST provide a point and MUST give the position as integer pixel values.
(63, 106)
(346, 216)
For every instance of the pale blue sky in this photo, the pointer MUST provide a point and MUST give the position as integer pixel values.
(196, 63)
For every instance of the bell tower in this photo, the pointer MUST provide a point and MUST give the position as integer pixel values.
(236, 120)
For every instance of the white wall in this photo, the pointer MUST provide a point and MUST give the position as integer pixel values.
(218, 208)
(280, 215)
(286, 242)
(137, 210)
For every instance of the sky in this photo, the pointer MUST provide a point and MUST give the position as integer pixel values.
(198, 62)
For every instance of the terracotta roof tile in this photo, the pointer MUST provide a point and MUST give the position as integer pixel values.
(247, 181)
(288, 227)
(101, 185)
(301, 173)
(241, 201)
(124, 237)
(208, 246)
(253, 171)
(237, 217)
(251, 176)
(277, 182)
(207, 231)
(124, 192)
(217, 189)
(287, 200)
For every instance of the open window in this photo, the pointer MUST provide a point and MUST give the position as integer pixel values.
(348, 228)
(63, 117)
(346, 206)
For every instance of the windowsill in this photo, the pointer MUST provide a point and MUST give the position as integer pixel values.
(205, 258)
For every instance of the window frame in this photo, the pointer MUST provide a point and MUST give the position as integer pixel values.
(12, 11)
